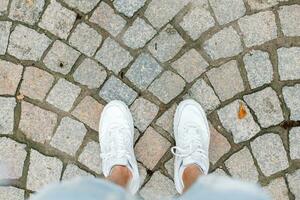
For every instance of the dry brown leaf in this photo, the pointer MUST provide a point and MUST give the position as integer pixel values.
(242, 111)
(20, 97)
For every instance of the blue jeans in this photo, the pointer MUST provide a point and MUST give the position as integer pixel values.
(206, 188)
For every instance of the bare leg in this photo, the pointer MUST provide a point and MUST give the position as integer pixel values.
(120, 175)
(190, 176)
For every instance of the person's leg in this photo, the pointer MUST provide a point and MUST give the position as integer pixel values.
(120, 175)
(190, 176)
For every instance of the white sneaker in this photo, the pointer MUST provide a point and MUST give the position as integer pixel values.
(192, 137)
(116, 134)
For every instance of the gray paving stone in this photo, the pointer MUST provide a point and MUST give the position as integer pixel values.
(90, 157)
(143, 112)
(143, 173)
(241, 165)
(4, 36)
(228, 10)
(289, 63)
(225, 43)
(151, 147)
(158, 187)
(289, 19)
(36, 123)
(204, 94)
(7, 115)
(269, 153)
(136, 136)
(291, 96)
(165, 121)
(58, 20)
(294, 182)
(138, 34)
(241, 129)
(197, 20)
(277, 189)
(85, 39)
(22, 47)
(113, 56)
(13, 155)
(88, 111)
(106, 18)
(294, 139)
(260, 5)
(219, 172)
(4, 7)
(143, 71)
(72, 171)
(42, 171)
(61, 57)
(190, 66)
(128, 7)
(167, 86)
(259, 68)
(115, 89)
(170, 167)
(26, 11)
(167, 44)
(36, 83)
(160, 12)
(63, 95)
(68, 136)
(11, 193)
(82, 5)
(10, 76)
(266, 107)
(226, 80)
(258, 28)
(90, 73)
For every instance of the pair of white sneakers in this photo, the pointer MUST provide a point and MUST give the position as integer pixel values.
(191, 135)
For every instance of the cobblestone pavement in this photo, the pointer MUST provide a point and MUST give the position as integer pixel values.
(62, 60)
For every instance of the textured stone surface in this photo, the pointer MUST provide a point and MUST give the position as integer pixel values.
(158, 187)
(170, 167)
(260, 5)
(151, 147)
(90, 157)
(113, 56)
(294, 182)
(26, 11)
(68, 136)
(36, 123)
(143, 71)
(291, 96)
(228, 10)
(22, 47)
(115, 89)
(90, 73)
(143, 112)
(258, 28)
(219, 172)
(10, 76)
(138, 34)
(42, 170)
(58, 20)
(277, 189)
(61, 57)
(85, 39)
(294, 139)
(88, 111)
(241, 165)
(259, 68)
(13, 155)
(11, 193)
(191, 65)
(105, 17)
(167, 86)
(197, 20)
(165, 121)
(143, 173)
(289, 63)
(4, 36)
(266, 107)
(7, 115)
(82, 5)
(3, 7)
(36, 83)
(72, 171)
(226, 80)
(241, 129)
(225, 43)
(289, 19)
(63, 95)
(167, 44)
(269, 153)
(128, 7)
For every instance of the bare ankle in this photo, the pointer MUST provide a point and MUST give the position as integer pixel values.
(190, 175)
(120, 175)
